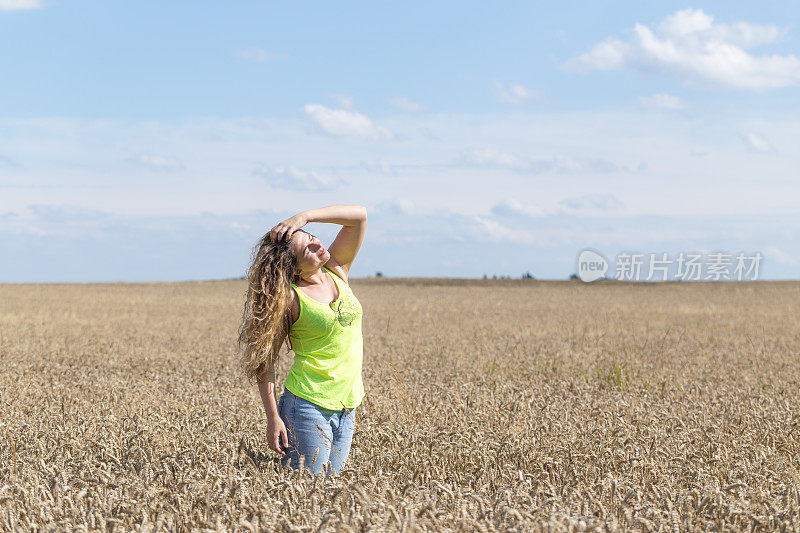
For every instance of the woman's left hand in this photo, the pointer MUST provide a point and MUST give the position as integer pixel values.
(286, 228)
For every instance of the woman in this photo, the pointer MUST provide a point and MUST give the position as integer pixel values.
(299, 289)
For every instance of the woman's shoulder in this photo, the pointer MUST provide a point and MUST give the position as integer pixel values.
(294, 307)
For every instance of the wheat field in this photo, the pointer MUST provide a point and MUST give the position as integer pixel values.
(492, 405)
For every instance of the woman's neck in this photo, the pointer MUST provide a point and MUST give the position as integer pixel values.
(316, 277)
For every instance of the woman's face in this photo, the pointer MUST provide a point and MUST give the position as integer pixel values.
(310, 252)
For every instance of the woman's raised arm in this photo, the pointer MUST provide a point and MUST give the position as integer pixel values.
(347, 243)
(345, 247)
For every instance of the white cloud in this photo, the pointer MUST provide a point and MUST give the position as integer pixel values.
(490, 157)
(158, 163)
(52, 220)
(592, 202)
(690, 46)
(379, 166)
(662, 100)
(561, 164)
(513, 208)
(254, 53)
(344, 123)
(516, 93)
(343, 101)
(491, 230)
(640, 167)
(69, 160)
(19, 5)
(398, 206)
(405, 103)
(772, 253)
(296, 180)
(757, 143)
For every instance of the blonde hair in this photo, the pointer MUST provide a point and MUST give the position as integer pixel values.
(265, 320)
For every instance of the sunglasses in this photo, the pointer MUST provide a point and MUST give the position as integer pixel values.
(345, 319)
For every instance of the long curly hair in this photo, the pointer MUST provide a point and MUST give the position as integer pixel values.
(265, 320)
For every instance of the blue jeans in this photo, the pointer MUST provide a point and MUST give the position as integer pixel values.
(311, 430)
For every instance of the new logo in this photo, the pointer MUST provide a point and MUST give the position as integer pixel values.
(591, 265)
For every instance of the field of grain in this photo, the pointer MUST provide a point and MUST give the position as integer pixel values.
(502, 405)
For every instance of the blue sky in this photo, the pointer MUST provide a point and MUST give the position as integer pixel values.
(158, 141)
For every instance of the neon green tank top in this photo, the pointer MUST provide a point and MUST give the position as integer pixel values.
(329, 348)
